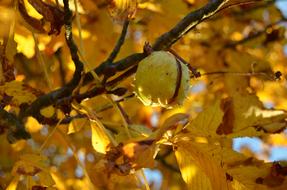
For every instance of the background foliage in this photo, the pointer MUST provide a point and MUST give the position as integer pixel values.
(69, 118)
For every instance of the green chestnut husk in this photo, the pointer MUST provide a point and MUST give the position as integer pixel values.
(162, 80)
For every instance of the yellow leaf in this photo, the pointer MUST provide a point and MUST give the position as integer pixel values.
(249, 118)
(25, 45)
(59, 182)
(11, 50)
(46, 179)
(19, 145)
(190, 1)
(77, 124)
(225, 168)
(198, 168)
(140, 154)
(32, 164)
(24, 168)
(167, 124)
(19, 92)
(48, 111)
(207, 122)
(190, 172)
(100, 140)
(122, 9)
(13, 184)
(243, 63)
(277, 139)
(31, 11)
(247, 175)
(32, 125)
(150, 6)
(241, 115)
(137, 132)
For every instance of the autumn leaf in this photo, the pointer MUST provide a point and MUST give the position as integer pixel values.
(90, 131)
(50, 13)
(246, 116)
(197, 167)
(190, 172)
(77, 124)
(19, 92)
(122, 9)
(31, 22)
(140, 154)
(222, 167)
(48, 111)
(171, 122)
(100, 140)
(13, 184)
(137, 133)
(7, 53)
(241, 66)
(207, 122)
(243, 117)
(32, 125)
(126, 158)
(31, 165)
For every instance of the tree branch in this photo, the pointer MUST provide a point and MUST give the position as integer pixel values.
(120, 65)
(163, 42)
(58, 55)
(187, 23)
(122, 76)
(52, 97)
(16, 129)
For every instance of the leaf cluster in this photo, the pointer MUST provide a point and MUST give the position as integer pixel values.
(69, 117)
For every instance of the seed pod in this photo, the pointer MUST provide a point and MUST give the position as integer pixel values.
(162, 80)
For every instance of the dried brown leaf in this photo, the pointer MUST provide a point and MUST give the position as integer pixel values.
(32, 23)
(50, 13)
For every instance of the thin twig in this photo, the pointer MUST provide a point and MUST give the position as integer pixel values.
(124, 114)
(120, 42)
(70, 145)
(244, 74)
(266, 3)
(260, 4)
(254, 35)
(41, 60)
(192, 69)
(50, 135)
(110, 67)
(103, 108)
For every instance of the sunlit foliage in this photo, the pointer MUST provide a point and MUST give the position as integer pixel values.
(70, 118)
